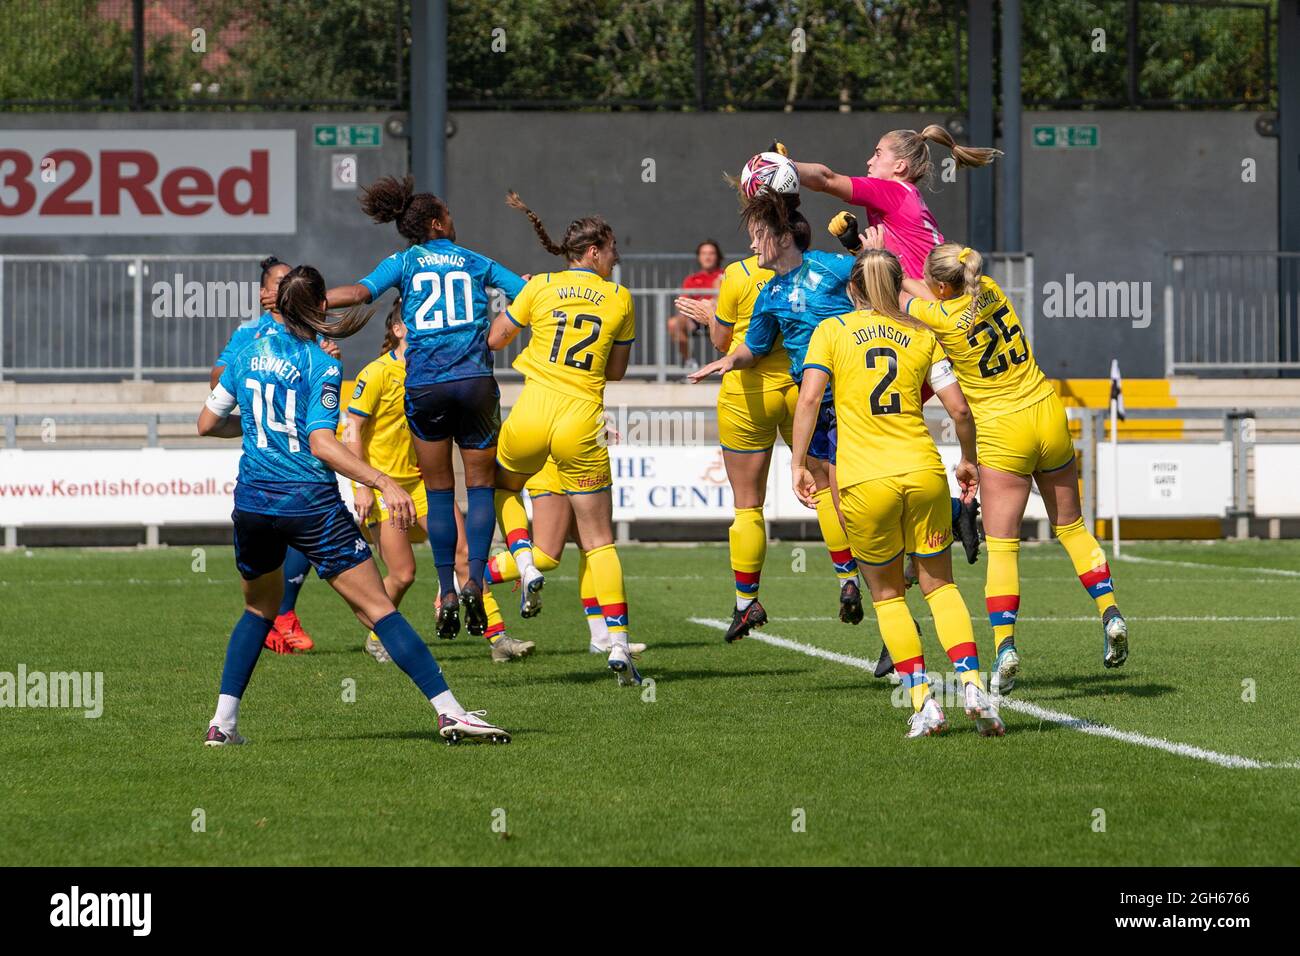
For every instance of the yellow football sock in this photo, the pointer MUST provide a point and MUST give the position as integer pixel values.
(1089, 563)
(748, 537)
(607, 573)
(496, 627)
(952, 622)
(514, 522)
(1002, 588)
(833, 533)
(590, 603)
(503, 567)
(899, 631)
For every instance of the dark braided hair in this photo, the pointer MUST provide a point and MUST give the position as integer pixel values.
(581, 235)
(779, 213)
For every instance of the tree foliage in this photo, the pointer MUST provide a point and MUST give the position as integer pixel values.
(605, 53)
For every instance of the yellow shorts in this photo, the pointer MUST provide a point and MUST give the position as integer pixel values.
(546, 424)
(413, 487)
(750, 421)
(887, 516)
(1032, 439)
(546, 481)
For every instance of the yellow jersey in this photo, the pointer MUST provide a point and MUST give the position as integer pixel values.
(576, 319)
(877, 366)
(990, 354)
(741, 283)
(380, 398)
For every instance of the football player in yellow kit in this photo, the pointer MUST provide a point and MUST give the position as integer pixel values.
(1024, 436)
(893, 488)
(582, 326)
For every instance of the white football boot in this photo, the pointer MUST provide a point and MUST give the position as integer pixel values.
(506, 648)
(1115, 630)
(223, 738)
(980, 708)
(928, 721)
(530, 597)
(1005, 669)
(470, 726)
(620, 662)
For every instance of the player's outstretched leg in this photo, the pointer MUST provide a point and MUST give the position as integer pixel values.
(242, 651)
(413, 657)
(514, 526)
(904, 643)
(748, 540)
(1094, 574)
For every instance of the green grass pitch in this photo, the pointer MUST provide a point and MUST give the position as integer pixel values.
(747, 754)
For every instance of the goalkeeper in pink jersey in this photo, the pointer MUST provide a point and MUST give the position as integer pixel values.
(890, 191)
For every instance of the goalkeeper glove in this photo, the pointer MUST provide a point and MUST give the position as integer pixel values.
(844, 227)
(778, 147)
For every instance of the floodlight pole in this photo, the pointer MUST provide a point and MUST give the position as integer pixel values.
(429, 95)
(980, 211)
(1012, 239)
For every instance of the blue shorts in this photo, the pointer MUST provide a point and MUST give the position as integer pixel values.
(824, 435)
(329, 539)
(468, 410)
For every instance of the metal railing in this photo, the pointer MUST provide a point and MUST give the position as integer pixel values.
(121, 315)
(1231, 312)
(140, 316)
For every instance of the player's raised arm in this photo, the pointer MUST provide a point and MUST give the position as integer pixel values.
(823, 179)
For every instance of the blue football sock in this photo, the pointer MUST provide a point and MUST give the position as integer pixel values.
(296, 569)
(410, 653)
(480, 525)
(242, 653)
(442, 537)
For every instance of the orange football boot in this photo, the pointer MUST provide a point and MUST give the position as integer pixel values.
(289, 625)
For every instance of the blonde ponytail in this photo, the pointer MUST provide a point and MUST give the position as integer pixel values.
(914, 150)
(875, 281)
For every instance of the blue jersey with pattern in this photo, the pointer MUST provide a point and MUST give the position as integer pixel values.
(445, 308)
(244, 333)
(286, 389)
(791, 306)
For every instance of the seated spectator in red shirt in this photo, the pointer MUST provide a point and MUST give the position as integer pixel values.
(708, 256)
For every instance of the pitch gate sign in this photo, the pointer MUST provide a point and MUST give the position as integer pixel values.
(147, 182)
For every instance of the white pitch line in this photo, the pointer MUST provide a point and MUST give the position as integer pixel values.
(1022, 706)
(1166, 618)
(1280, 572)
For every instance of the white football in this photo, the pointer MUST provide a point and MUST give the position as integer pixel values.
(772, 170)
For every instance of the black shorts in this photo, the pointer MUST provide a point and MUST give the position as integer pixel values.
(468, 410)
(329, 539)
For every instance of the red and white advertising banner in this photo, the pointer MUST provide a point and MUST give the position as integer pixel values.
(147, 182)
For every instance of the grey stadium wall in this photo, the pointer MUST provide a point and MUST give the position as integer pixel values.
(1103, 214)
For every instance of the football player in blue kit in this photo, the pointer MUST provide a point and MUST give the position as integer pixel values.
(807, 287)
(287, 636)
(451, 394)
(287, 391)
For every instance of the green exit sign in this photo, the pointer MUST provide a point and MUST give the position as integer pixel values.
(362, 135)
(1066, 137)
